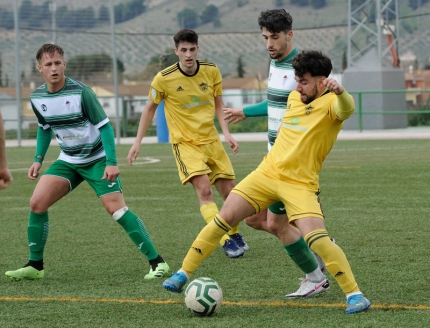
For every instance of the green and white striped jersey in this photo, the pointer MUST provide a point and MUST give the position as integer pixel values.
(281, 82)
(75, 115)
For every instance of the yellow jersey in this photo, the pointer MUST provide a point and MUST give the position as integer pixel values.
(306, 136)
(189, 102)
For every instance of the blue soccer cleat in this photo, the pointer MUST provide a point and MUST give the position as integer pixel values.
(357, 303)
(176, 282)
(240, 242)
(232, 250)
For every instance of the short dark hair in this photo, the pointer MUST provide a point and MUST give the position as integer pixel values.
(50, 49)
(313, 62)
(186, 35)
(275, 21)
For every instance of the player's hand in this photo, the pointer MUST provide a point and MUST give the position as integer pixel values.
(33, 171)
(232, 143)
(111, 173)
(233, 115)
(333, 86)
(132, 154)
(5, 178)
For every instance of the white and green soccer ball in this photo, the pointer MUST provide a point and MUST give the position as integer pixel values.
(203, 296)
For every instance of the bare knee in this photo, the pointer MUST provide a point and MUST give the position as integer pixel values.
(257, 221)
(37, 206)
(224, 186)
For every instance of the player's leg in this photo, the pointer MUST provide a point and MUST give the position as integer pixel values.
(136, 230)
(209, 209)
(110, 194)
(222, 176)
(253, 194)
(296, 248)
(52, 186)
(235, 209)
(224, 187)
(315, 234)
(191, 161)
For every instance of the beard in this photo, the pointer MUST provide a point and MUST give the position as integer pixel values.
(312, 96)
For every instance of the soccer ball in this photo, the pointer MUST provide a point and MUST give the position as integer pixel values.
(203, 296)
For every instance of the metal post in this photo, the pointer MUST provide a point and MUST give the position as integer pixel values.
(360, 112)
(53, 10)
(115, 72)
(17, 74)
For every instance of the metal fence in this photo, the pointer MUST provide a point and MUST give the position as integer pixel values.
(109, 43)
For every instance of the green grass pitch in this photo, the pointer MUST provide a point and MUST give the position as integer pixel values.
(375, 195)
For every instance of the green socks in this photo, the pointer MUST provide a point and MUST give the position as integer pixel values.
(37, 232)
(301, 254)
(135, 228)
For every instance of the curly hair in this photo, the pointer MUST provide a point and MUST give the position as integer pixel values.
(275, 21)
(313, 62)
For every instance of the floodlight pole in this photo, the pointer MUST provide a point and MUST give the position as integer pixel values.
(53, 10)
(115, 72)
(365, 33)
(17, 74)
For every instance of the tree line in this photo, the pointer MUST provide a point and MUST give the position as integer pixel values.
(41, 16)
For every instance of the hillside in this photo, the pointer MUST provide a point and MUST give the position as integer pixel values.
(151, 34)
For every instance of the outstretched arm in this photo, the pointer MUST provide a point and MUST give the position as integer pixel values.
(108, 140)
(5, 176)
(235, 115)
(344, 104)
(145, 120)
(42, 144)
(219, 106)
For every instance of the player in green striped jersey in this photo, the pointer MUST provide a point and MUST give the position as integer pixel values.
(70, 110)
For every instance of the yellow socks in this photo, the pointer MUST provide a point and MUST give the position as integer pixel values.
(334, 259)
(205, 244)
(208, 211)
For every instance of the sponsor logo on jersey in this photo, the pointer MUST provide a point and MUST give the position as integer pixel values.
(293, 125)
(179, 89)
(295, 120)
(196, 102)
(70, 137)
(203, 86)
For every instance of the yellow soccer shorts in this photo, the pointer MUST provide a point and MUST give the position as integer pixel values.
(210, 159)
(262, 190)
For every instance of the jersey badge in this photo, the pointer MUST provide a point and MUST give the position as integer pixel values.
(154, 93)
(44, 108)
(195, 98)
(203, 86)
(284, 79)
(308, 109)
